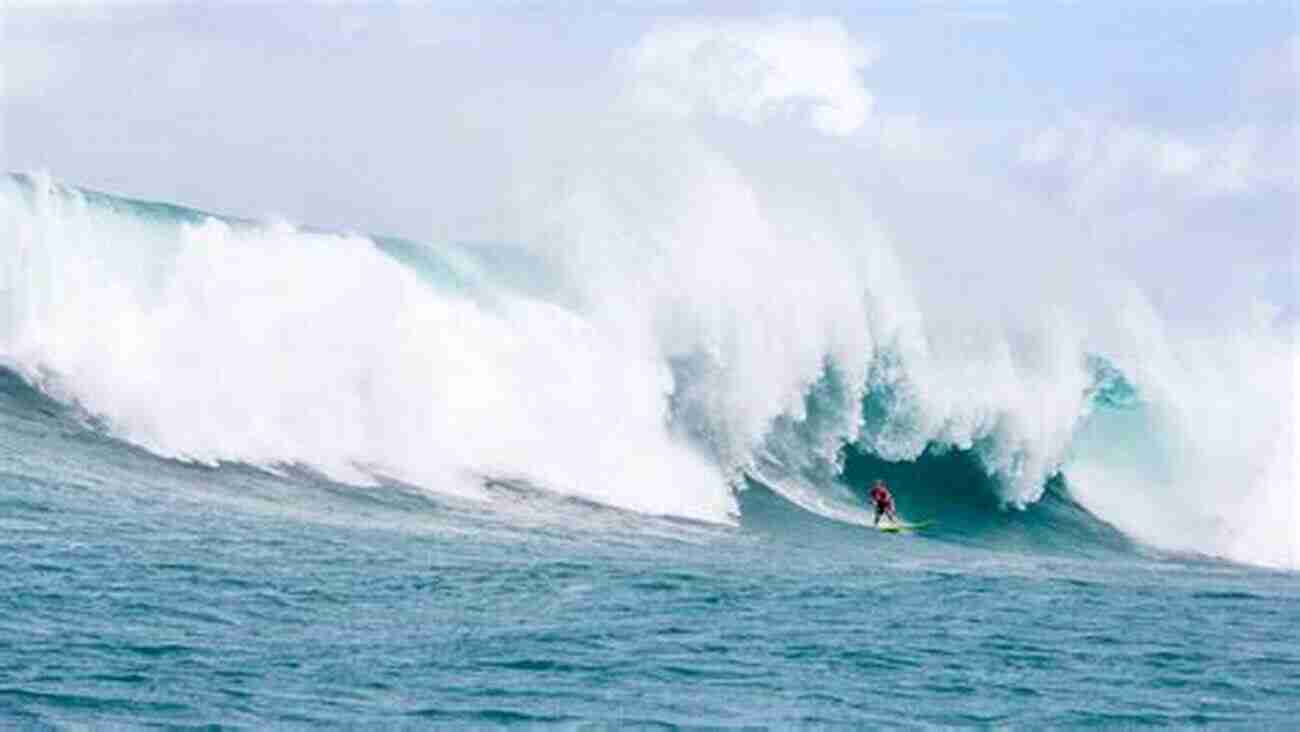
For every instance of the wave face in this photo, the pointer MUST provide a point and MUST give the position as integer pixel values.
(654, 337)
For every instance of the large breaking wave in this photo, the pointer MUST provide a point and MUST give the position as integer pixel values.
(686, 366)
(689, 292)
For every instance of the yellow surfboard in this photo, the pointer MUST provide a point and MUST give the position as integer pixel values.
(904, 528)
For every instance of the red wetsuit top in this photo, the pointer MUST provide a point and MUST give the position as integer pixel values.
(881, 497)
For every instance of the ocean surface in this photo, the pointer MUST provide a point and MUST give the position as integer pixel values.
(254, 475)
(139, 591)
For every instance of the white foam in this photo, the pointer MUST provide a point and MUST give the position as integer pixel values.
(272, 346)
(1207, 461)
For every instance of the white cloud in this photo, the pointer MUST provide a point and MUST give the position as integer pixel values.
(754, 70)
(1100, 162)
(1274, 73)
(909, 137)
(26, 68)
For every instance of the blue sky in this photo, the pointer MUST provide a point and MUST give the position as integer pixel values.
(1163, 134)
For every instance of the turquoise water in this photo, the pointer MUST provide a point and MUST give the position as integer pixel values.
(140, 591)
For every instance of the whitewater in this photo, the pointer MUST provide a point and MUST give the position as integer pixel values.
(653, 369)
(256, 474)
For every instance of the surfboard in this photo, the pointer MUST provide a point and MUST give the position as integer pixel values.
(903, 528)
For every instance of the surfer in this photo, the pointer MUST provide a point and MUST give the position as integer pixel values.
(884, 502)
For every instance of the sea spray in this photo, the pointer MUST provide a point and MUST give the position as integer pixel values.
(690, 288)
